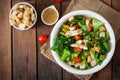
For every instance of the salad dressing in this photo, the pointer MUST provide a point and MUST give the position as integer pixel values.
(50, 15)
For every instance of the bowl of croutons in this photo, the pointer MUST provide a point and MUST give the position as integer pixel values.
(22, 16)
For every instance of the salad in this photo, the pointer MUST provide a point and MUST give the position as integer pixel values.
(82, 42)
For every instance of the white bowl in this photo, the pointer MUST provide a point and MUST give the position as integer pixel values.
(34, 12)
(89, 14)
(53, 7)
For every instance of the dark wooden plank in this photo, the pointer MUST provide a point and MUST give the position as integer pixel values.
(64, 5)
(66, 75)
(116, 59)
(5, 41)
(47, 70)
(116, 4)
(105, 73)
(108, 2)
(116, 63)
(24, 52)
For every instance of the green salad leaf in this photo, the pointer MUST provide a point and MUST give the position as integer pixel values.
(105, 47)
(65, 55)
(97, 24)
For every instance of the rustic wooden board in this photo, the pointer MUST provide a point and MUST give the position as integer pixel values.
(24, 52)
(116, 4)
(116, 59)
(47, 70)
(105, 73)
(66, 75)
(116, 63)
(20, 57)
(5, 41)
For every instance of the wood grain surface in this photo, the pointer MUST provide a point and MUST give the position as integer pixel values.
(116, 59)
(24, 52)
(46, 69)
(5, 41)
(20, 57)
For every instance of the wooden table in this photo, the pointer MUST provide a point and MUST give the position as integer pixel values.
(20, 57)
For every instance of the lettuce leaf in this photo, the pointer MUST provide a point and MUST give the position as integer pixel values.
(97, 24)
(65, 55)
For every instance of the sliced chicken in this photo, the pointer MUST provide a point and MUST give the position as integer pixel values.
(85, 41)
(97, 49)
(79, 42)
(73, 33)
(77, 65)
(82, 46)
(82, 66)
(89, 59)
(71, 28)
(93, 63)
(102, 34)
(71, 18)
(70, 63)
(75, 45)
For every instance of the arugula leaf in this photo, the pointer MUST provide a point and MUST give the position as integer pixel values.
(105, 47)
(79, 17)
(100, 62)
(79, 20)
(84, 55)
(73, 22)
(89, 44)
(55, 45)
(107, 36)
(88, 66)
(58, 46)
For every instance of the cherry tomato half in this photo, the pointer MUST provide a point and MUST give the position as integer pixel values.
(58, 0)
(42, 38)
(78, 37)
(77, 60)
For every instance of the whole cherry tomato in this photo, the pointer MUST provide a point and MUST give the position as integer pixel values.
(58, 0)
(42, 38)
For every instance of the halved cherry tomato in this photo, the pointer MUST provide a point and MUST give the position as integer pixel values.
(77, 49)
(78, 37)
(77, 60)
(58, 0)
(42, 38)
